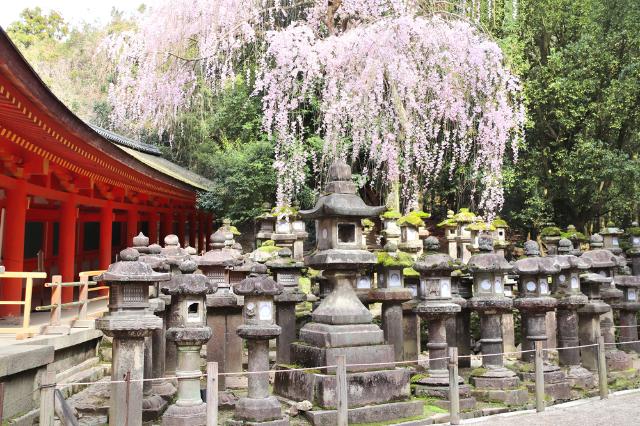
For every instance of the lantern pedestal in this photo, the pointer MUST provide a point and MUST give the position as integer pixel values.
(617, 360)
(628, 308)
(153, 404)
(392, 324)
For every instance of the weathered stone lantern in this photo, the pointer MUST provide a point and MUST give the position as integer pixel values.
(550, 236)
(391, 293)
(128, 321)
(300, 230)
(265, 224)
(390, 229)
(611, 238)
(436, 306)
(628, 307)
(410, 225)
(287, 272)
(577, 238)
(500, 242)
(259, 313)
(533, 302)
(476, 229)
(464, 218)
(566, 288)
(633, 253)
(493, 381)
(285, 235)
(451, 233)
(604, 262)
(189, 331)
(223, 311)
(341, 324)
(458, 332)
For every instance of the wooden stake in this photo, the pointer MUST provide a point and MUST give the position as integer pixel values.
(454, 391)
(341, 391)
(539, 376)
(602, 369)
(47, 397)
(212, 394)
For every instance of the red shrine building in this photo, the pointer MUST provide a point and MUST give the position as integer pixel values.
(71, 194)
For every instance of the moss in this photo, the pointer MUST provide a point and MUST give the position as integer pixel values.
(634, 230)
(284, 211)
(391, 214)
(498, 222)
(414, 218)
(417, 377)
(479, 371)
(234, 230)
(463, 216)
(367, 223)
(304, 284)
(399, 259)
(410, 272)
(268, 249)
(481, 226)
(551, 231)
(268, 243)
(574, 235)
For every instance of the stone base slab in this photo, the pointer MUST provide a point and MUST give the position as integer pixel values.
(152, 407)
(506, 396)
(466, 404)
(280, 422)
(618, 360)
(258, 409)
(496, 383)
(312, 356)
(334, 336)
(192, 415)
(363, 388)
(164, 389)
(580, 377)
(557, 391)
(368, 414)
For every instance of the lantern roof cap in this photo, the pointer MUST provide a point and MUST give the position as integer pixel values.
(130, 268)
(569, 261)
(488, 262)
(258, 284)
(600, 258)
(627, 280)
(188, 282)
(285, 260)
(536, 265)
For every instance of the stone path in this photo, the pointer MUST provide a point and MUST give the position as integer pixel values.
(620, 409)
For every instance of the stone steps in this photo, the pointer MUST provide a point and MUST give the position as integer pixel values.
(89, 371)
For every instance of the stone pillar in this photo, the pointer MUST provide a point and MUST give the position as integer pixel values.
(258, 407)
(106, 235)
(300, 231)
(153, 404)
(589, 319)
(129, 321)
(628, 308)
(13, 247)
(67, 245)
(287, 273)
(189, 332)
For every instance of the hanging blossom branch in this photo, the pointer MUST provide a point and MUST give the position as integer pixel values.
(410, 95)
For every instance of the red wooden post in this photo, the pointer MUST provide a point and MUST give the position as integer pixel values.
(13, 247)
(106, 235)
(167, 226)
(181, 228)
(67, 247)
(132, 226)
(202, 233)
(153, 227)
(192, 229)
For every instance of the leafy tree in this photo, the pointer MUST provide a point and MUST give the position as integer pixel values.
(34, 26)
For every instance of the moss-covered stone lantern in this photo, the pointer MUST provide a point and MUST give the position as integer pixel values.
(436, 306)
(189, 331)
(566, 288)
(633, 253)
(390, 229)
(493, 381)
(341, 324)
(265, 224)
(628, 307)
(410, 225)
(259, 315)
(577, 238)
(287, 272)
(451, 233)
(533, 302)
(499, 234)
(129, 321)
(611, 235)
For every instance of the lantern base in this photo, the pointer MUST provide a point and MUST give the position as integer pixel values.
(152, 406)
(382, 356)
(467, 402)
(333, 336)
(368, 414)
(191, 415)
(258, 411)
(580, 377)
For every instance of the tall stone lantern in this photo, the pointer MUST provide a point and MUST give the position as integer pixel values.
(128, 321)
(223, 310)
(533, 302)
(493, 381)
(287, 272)
(189, 331)
(410, 225)
(611, 235)
(341, 324)
(265, 224)
(436, 306)
(633, 253)
(628, 307)
(451, 232)
(259, 313)
(604, 263)
(566, 289)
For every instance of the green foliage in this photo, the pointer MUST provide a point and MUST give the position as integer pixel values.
(551, 231)
(391, 214)
(414, 218)
(398, 259)
(34, 27)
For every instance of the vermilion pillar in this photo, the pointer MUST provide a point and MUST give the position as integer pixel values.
(106, 235)
(181, 223)
(67, 247)
(153, 227)
(202, 233)
(208, 225)
(13, 247)
(132, 226)
(167, 226)
(193, 224)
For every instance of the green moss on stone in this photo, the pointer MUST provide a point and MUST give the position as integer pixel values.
(414, 218)
(551, 231)
(398, 259)
(391, 214)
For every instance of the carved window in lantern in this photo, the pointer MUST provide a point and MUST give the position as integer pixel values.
(603, 273)
(346, 233)
(283, 227)
(216, 275)
(501, 234)
(497, 285)
(363, 282)
(133, 294)
(299, 226)
(631, 295)
(452, 232)
(236, 277)
(615, 242)
(636, 241)
(413, 288)
(531, 286)
(265, 311)
(484, 283)
(287, 280)
(445, 287)
(409, 233)
(544, 285)
(575, 282)
(395, 278)
(193, 311)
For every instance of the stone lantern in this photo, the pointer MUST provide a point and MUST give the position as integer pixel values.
(577, 238)
(463, 219)
(223, 311)
(287, 273)
(285, 235)
(189, 331)
(173, 252)
(476, 229)
(390, 229)
(265, 223)
(341, 324)
(500, 242)
(300, 230)
(628, 306)
(128, 321)
(436, 306)
(259, 313)
(391, 293)
(611, 238)
(451, 233)
(533, 302)
(566, 289)
(410, 241)
(604, 263)
(458, 327)
(633, 253)
(550, 236)
(493, 381)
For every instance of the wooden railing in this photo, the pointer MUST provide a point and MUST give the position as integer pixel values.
(26, 330)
